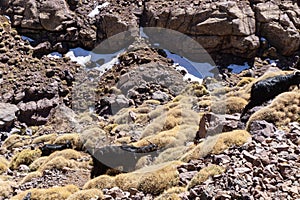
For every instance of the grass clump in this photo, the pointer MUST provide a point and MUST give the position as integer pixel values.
(3, 164)
(171, 194)
(5, 189)
(100, 182)
(31, 176)
(25, 157)
(87, 194)
(55, 193)
(230, 105)
(50, 138)
(15, 141)
(61, 159)
(204, 174)
(228, 139)
(217, 144)
(37, 163)
(285, 108)
(74, 138)
(153, 179)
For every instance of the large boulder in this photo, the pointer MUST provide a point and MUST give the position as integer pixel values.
(7, 115)
(279, 23)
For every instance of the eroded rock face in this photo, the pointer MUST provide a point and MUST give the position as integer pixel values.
(226, 27)
(221, 27)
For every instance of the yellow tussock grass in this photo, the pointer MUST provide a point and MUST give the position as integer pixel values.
(31, 176)
(50, 138)
(5, 189)
(3, 164)
(55, 193)
(100, 182)
(217, 144)
(15, 141)
(74, 138)
(171, 194)
(25, 157)
(87, 194)
(204, 174)
(285, 108)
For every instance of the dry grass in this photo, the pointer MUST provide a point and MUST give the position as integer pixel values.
(30, 176)
(25, 157)
(3, 164)
(165, 118)
(204, 174)
(15, 141)
(74, 138)
(100, 182)
(5, 189)
(50, 138)
(161, 179)
(228, 139)
(87, 194)
(153, 179)
(217, 144)
(37, 163)
(195, 89)
(170, 138)
(55, 193)
(171, 194)
(61, 159)
(245, 81)
(285, 108)
(92, 136)
(230, 105)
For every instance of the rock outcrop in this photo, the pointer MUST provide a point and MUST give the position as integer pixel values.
(222, 28)
(35, 86)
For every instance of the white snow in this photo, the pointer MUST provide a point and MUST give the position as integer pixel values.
(187, 76)
(106, 66)
(82, 60)
(96, 11)
(54, 55)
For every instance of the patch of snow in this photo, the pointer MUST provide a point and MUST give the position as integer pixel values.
(263, 39)
(82, 60)
(272, 62)
(54, 55)
(96, 11)
(143, 34)
(187, 76)
(107, 66)
(80, 52)
(27, 38)
(238, 68)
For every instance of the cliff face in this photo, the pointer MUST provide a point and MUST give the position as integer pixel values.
(221, 27)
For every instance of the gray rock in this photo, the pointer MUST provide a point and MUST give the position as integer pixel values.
(7, 114)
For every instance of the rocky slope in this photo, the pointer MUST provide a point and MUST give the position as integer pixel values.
(143, 104)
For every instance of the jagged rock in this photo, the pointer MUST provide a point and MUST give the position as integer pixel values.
(7, 114)
(278, 22)
(36, 113)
